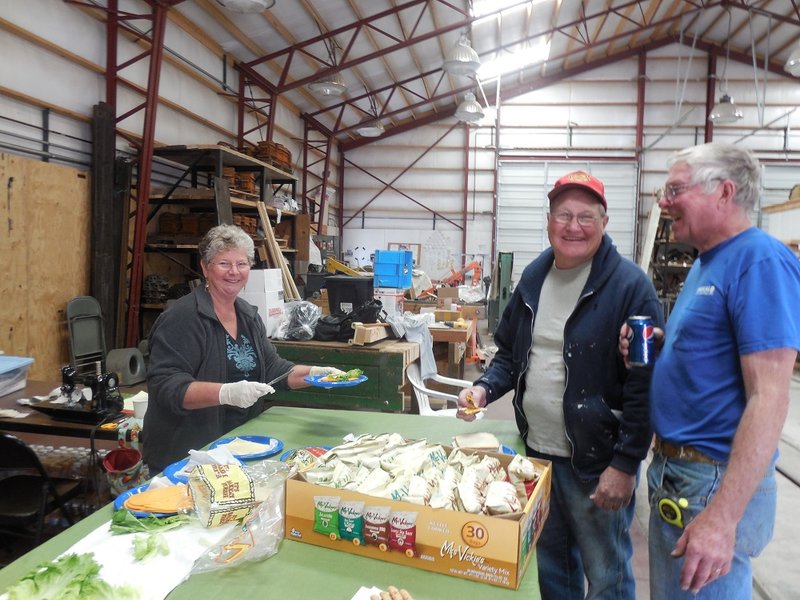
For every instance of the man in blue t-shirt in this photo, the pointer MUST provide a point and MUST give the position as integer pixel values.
(720, 387)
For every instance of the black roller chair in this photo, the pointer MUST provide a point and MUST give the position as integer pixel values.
(27, 492)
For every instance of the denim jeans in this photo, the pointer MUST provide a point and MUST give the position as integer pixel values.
(581, 541)
(697, 483)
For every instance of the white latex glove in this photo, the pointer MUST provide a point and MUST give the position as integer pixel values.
(243, 393)
(325, 371)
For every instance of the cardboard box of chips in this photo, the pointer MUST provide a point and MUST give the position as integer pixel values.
(479, 547)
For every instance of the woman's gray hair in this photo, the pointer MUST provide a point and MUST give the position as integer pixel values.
(714, 162)
(225, 237)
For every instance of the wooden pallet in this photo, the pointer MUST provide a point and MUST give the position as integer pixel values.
(368, 333)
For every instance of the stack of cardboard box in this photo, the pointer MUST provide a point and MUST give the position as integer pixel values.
(264, 290)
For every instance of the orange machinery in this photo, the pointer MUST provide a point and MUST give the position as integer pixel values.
(456, 277)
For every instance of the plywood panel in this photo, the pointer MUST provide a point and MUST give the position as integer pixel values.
(47, 250)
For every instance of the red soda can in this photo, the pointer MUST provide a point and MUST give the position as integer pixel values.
(641, 349)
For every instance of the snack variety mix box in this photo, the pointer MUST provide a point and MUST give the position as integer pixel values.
(489, 549)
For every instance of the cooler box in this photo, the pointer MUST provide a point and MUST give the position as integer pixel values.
(347, 292)
(13, 373)
(392, 268)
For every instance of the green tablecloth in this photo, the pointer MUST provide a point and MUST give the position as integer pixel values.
(301, 570)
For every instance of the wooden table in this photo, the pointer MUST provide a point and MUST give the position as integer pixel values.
(40, 423)
(301, 570)
(456, 340)
(384, 363)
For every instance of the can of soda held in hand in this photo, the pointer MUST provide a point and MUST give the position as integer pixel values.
(642, 346)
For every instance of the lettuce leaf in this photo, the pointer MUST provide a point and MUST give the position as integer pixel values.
(69, 577)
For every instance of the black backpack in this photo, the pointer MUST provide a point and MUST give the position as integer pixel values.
(338, 327)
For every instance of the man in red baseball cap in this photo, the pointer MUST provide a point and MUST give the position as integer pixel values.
(575, 402)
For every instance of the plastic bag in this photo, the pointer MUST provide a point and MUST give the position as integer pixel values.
(260, 533)
(338, 327)
(299, 321)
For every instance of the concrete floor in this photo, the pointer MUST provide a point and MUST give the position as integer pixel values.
(776, 573)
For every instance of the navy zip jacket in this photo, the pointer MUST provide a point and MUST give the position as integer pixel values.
(606, 406)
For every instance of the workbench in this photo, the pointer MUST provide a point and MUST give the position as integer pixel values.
(457, 339)
(384, 363)
(39, 423)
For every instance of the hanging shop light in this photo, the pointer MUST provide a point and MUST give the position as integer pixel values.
(330, 85)
(462, 59)
(247, 6)
(725, 111)
(793, 64)
(469, 111)
(370, 127)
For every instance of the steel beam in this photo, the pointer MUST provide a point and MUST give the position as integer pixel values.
(159, 17)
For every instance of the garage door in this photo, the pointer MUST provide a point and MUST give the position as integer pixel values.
(522, 205)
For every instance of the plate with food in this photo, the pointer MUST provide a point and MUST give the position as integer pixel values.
(171, 471)
(250, 447)
(347, 379)
(142, 501)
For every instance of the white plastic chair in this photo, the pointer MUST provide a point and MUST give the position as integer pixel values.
(424, 394)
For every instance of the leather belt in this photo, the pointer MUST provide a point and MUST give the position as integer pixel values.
(682, 452)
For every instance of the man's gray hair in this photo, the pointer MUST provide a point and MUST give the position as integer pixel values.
(225, 237)
(711, 163)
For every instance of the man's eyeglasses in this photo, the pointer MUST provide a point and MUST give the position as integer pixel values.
(225, 265)
(565, 218)
(673, 190)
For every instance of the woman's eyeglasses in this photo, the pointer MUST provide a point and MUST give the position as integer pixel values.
(225, 265)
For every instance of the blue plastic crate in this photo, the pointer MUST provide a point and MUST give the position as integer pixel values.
(392, 268)
(403, 257)
(13, 373)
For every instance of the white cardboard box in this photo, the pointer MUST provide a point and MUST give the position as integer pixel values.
(392, 300)
(264, 280)
(270, 307)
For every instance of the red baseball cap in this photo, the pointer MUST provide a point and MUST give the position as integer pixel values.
(580, 180)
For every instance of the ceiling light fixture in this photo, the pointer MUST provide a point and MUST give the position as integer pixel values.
(793, 63)
(462, 60)
(331, 84)
(370, 126)
(725, 111)
(247, 6)
(469, 111)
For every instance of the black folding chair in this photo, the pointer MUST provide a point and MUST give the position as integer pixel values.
(27, 493)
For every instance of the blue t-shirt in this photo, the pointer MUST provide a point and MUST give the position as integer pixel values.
(739, 297)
